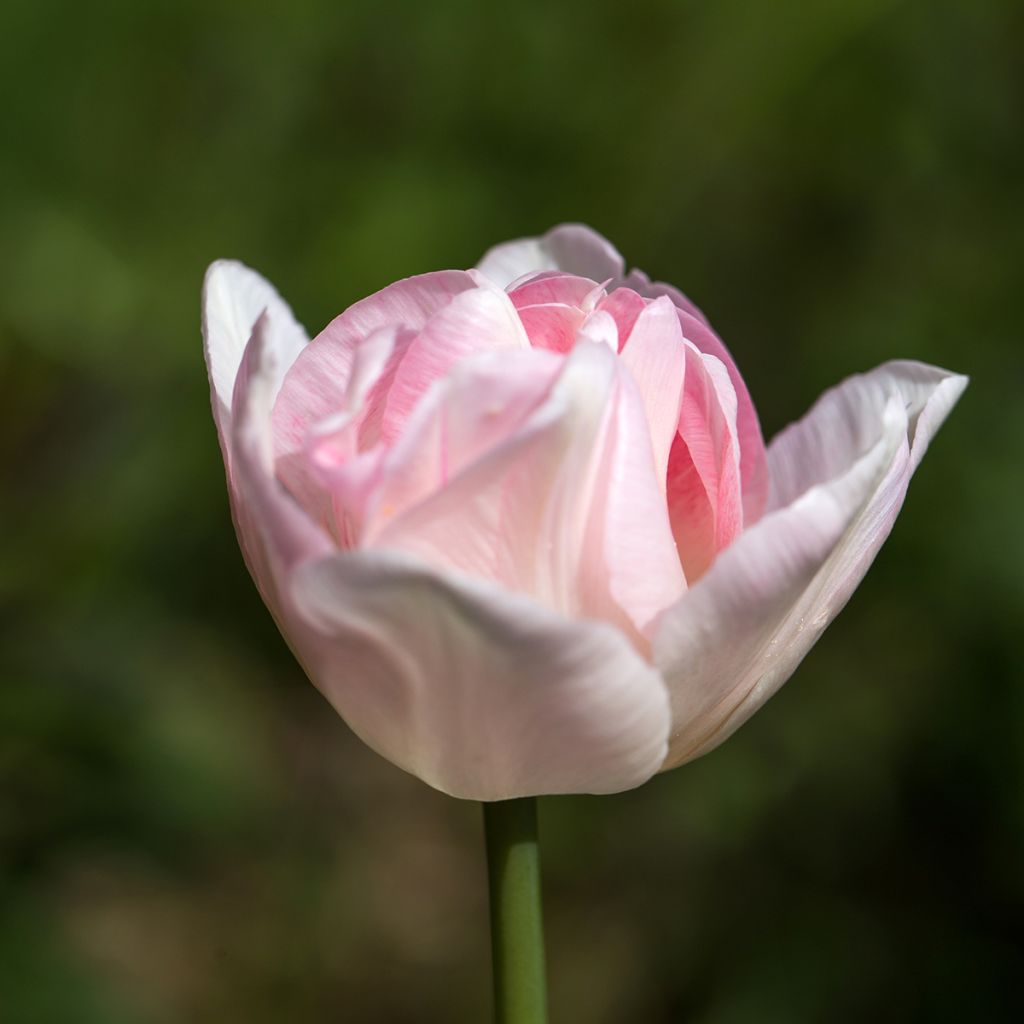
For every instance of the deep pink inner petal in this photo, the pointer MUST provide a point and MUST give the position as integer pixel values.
(753, 463)
(704, 495)
(625, 306)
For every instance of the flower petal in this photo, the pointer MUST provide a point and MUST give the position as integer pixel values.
(753, 463)
(275, 534)
(558, 287)
(482, 694)
(563, 504)
(740, 632)
(630, 560)
(441, 467)
(703, 489)
(625, 306)
(478, 320)
(574, 248)
(641, 283)
(655, 355)
(842, 424)
(552, 325)
(233, 299)
(315, 386)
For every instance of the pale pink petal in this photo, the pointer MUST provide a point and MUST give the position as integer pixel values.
(571, 247)
(601, 327)
(331, 474)
(315, 386)
(475, 321)
(334, 475)
(275, 534)
(630, 565)
(704, 498)
(655, 354)
(567, 507)
(482, 403)
(551, 325)
(481, 693)
(740, 632)
(555, 286)
(234, 297)
(624, 305)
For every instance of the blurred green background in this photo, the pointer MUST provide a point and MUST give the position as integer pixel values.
(187, 831)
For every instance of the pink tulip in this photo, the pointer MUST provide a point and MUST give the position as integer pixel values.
(519, 525)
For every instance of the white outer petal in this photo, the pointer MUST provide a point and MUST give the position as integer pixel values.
(741, 631)
(481, 693)
(234, 297)
(574, 248)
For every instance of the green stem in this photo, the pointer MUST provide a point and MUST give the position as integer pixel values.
(517, 926)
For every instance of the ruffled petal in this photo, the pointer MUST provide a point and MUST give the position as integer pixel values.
(481, 693)
(740, 632)
(574, 248)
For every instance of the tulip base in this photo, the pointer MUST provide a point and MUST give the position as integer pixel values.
(517, 926)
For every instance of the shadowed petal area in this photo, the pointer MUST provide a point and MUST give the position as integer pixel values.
(481, 693)
(740, 632)
(574, 248)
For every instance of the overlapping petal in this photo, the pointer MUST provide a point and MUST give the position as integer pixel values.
(704, 491)
(578, 250)
(538, 475)
(570, 247)
(470, 512)
(315, 385)
(739, 633)
(234, 298)
(481, 693)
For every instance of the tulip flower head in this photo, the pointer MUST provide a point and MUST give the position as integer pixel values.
(519, 524)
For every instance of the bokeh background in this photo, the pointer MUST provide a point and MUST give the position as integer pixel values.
(188, 833)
